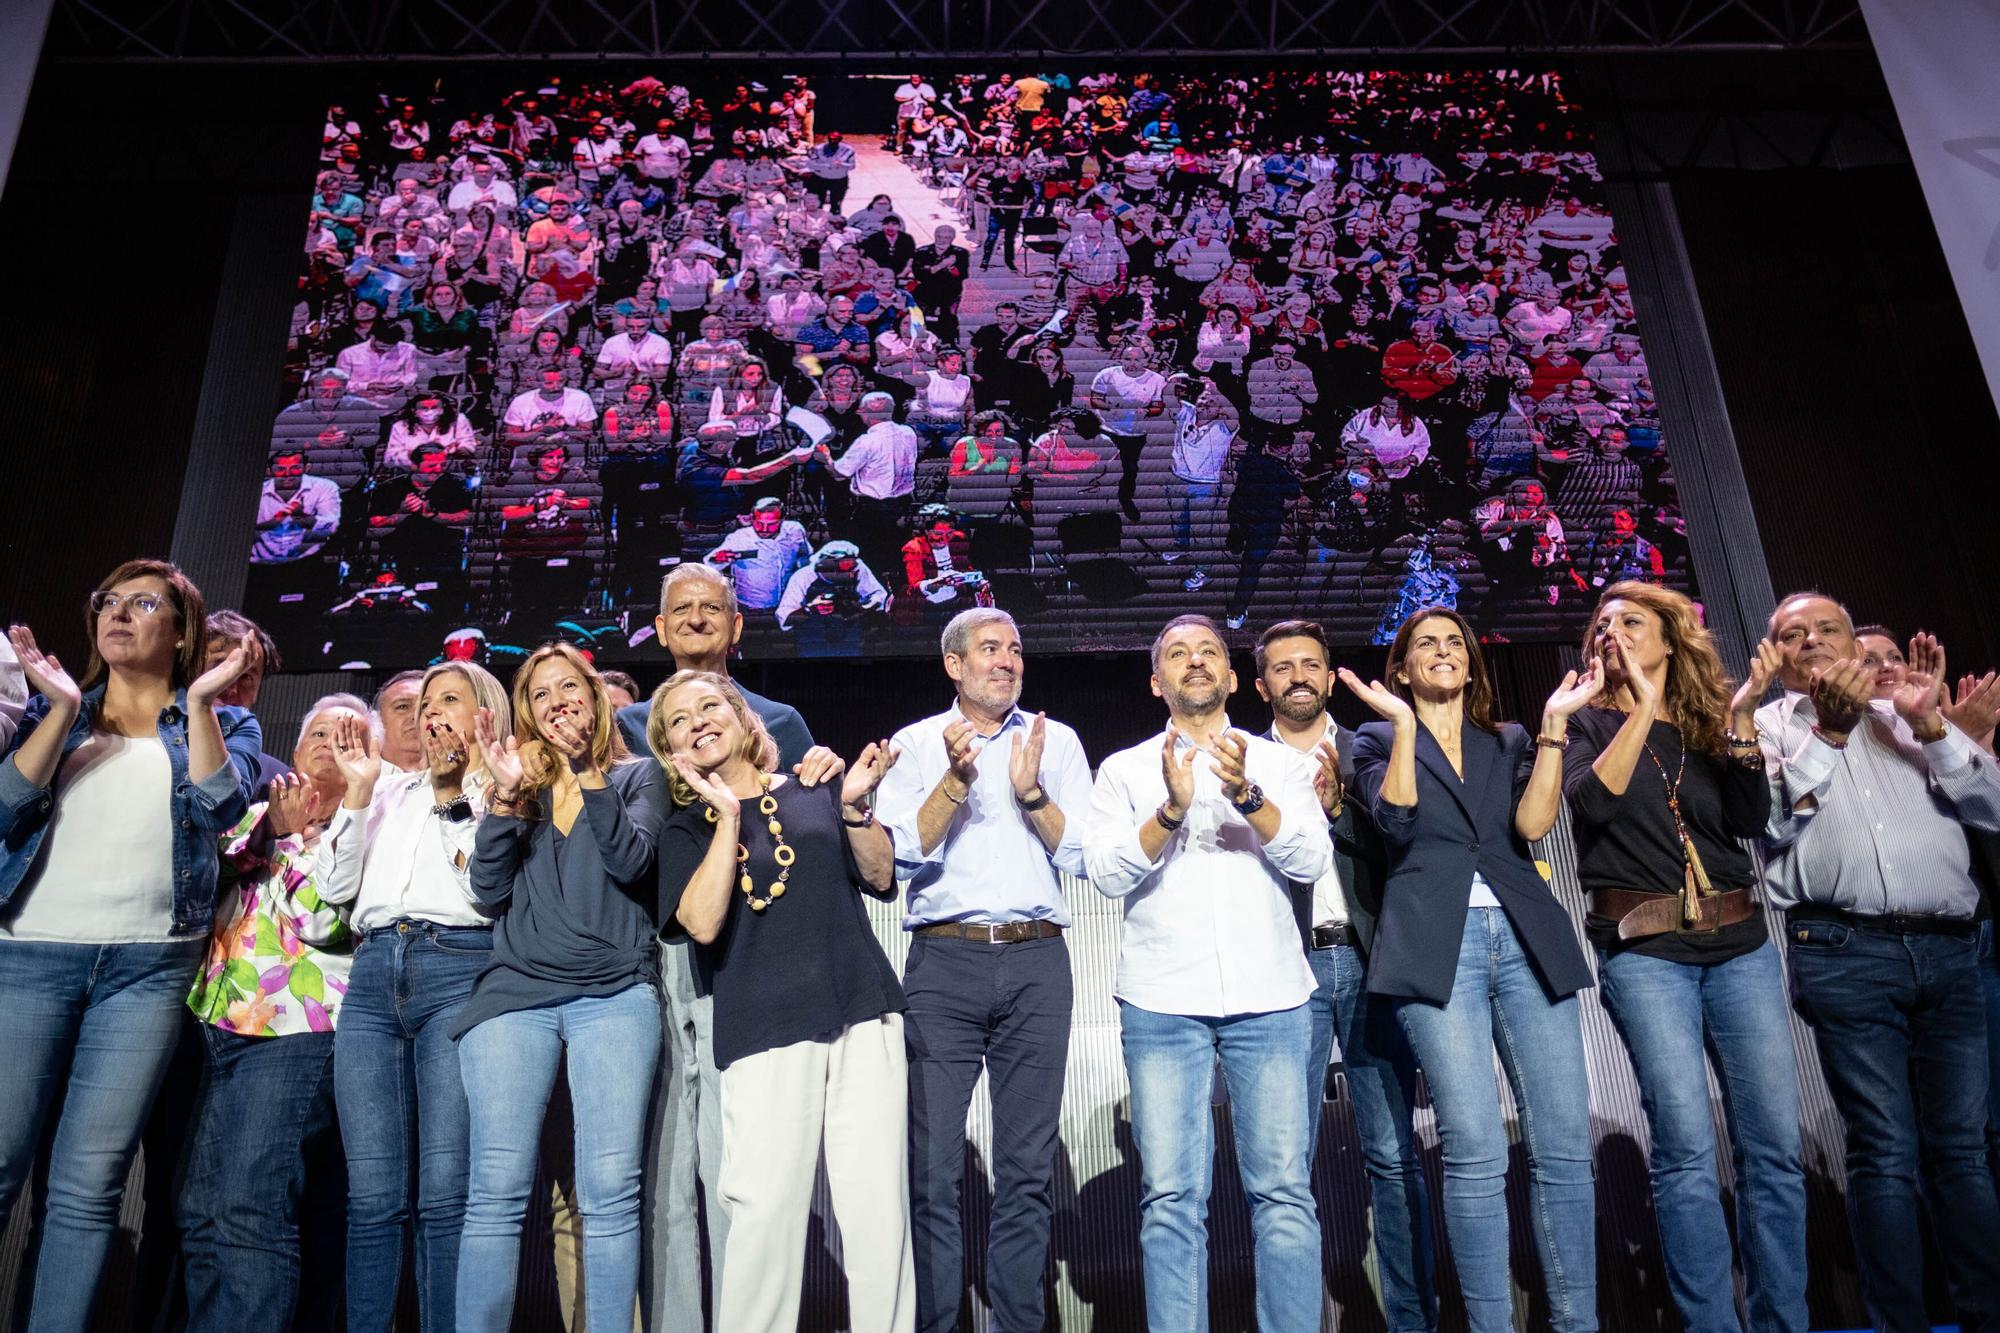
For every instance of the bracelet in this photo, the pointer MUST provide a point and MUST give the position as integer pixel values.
(1170, 825)
(955, 800)
(867, 819)
(1827, 740)
(1734, 739)
(1552, 742)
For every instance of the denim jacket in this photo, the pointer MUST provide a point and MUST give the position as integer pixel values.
(201, 811)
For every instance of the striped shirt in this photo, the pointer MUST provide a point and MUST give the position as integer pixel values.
(1879, 826)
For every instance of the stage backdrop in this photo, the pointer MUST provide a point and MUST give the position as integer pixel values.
(499, 365)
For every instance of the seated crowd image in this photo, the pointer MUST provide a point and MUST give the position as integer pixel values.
(530, 970)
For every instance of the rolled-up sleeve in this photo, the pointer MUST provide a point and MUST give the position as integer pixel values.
(1799, 779)
(1112, 857)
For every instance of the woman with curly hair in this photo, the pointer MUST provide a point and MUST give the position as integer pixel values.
(1664, 776)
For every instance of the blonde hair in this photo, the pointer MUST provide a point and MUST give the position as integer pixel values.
(757, 747)
(487, 692)
(541, 765)
(1698, 690)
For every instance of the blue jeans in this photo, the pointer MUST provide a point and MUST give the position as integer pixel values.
(1170, 1060)
(1004, 1008)
(263, 1106)
(403, 1114)
(1497, 1002)
(90, 1028)
(1989, 985)
(1195, 506)
(1900, 1023)
(1381, 1088)
(509, 1065)
(1675, 1018)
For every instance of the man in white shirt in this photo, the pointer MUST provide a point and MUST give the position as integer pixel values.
(550, 412)
(881, 466)
(762, 556)
(1336, 918)
(1199, 834)
(297, 514)
(1126, 396)
(663, 158)
(485, 187)
(637, 351)
(912, 99)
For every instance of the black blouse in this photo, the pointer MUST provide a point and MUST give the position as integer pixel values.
(809, 965)
(1629, 841)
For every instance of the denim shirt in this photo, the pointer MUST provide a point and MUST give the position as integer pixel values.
(202, 811)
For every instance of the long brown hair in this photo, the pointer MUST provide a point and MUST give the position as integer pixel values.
(541, 765)
(758, 747)
(1478, 696)
(1698, 691)
(191, 655)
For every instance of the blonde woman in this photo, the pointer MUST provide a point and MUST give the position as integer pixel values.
(767, 875)
(398, 853)
(565, 856)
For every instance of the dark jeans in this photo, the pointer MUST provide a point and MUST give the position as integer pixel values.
(832, 189)
(1381, 1089)
(1006, 1006)
(1003, 226)
(1900, 1023)
(263, 1113)
(90, 1029)
(403, 1117)
(1130, 449)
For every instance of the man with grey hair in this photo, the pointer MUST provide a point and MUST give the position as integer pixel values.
(985, 805)
(881, 466)
(699, 624)
(1867, 853)
(396, 716)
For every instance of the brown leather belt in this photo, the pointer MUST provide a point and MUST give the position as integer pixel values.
(1640, 914)
(1007, 932)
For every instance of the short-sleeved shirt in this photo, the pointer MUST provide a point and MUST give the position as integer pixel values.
(808, 966)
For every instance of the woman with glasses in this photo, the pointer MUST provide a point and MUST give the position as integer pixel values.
(565, 856)
(1479, 957)
(398, 854)
(112, 798)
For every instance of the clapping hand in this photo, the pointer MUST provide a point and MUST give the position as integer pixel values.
(1840, 694)
(710, 787)
(503, 758)
(1177, 767)
(1380, 698)
(1976, 709)
(1916, 696)
(44, 673)
(1230, 754)
(1024, 760)
(1765, 660)
(296, 807)
(865, 774)
(210, 684)
(569, 733)
(960, 752)
(1574, 692)
(444, 752)
(355, 755)
(1326, 776)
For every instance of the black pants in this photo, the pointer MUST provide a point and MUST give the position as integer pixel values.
(1006, 1007)
(833, 189)
(1130, 449)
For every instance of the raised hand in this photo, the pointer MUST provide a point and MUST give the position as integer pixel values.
(1765, 660)
(1613, 660)
(209, 685)
(1230, 754)
(1177, 767)
(820, 764)
(709, 787)
(1024, 760)
(445, 753)
(44, 673)
(961, 753)
(865, 774)
(1976, 708)
(296, 807)
(1326, 776)
(1380, 698)
(503, 757)
(1916, 696)
(569, 732)
(355, 755)
(1574, 692)
(1926, 656)
(1840, 693)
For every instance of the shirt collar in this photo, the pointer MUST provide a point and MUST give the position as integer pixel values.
(1327, 730)
(1180, 739)
(1015, 717)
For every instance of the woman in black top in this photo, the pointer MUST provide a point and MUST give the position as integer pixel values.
(1661, 792)
(808, 1013)
(565, 855)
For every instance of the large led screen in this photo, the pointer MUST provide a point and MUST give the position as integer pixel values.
(1093, 348)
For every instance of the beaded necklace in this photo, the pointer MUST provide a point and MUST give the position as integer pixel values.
(767, 805)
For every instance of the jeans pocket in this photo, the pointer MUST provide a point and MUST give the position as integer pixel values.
(469, 941)
(1822, 937)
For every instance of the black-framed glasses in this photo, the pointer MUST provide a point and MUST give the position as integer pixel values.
(142, 603)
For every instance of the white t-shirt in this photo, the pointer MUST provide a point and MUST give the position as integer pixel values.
(107, 859)
(1126, 397)
(530, 408)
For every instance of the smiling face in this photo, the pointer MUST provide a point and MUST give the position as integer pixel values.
(1880, 655)
(1812, 633)
(1294, 680)
(696, 626)
(989, 673)
(132, 640)
(1192, 672)
(1437, 662)
(702, 724)
(1639, 632)
(557, 689)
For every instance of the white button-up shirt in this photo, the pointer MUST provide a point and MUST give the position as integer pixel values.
(397, 860)
(1209, 929)
(1329, 898)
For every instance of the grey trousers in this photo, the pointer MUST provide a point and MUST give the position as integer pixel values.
(684, 1159)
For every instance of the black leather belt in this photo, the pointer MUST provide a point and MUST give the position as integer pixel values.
(1006, 932)
(1889, 923)
(1333, 936)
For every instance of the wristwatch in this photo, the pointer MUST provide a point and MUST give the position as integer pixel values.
(1251, 801)
(1038, 798)
(454, 812)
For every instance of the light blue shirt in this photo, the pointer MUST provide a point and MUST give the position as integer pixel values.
(990, 866)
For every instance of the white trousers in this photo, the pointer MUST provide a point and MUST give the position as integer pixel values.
(850, 1094)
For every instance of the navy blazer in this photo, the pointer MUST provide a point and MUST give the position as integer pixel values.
(1433, 848)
